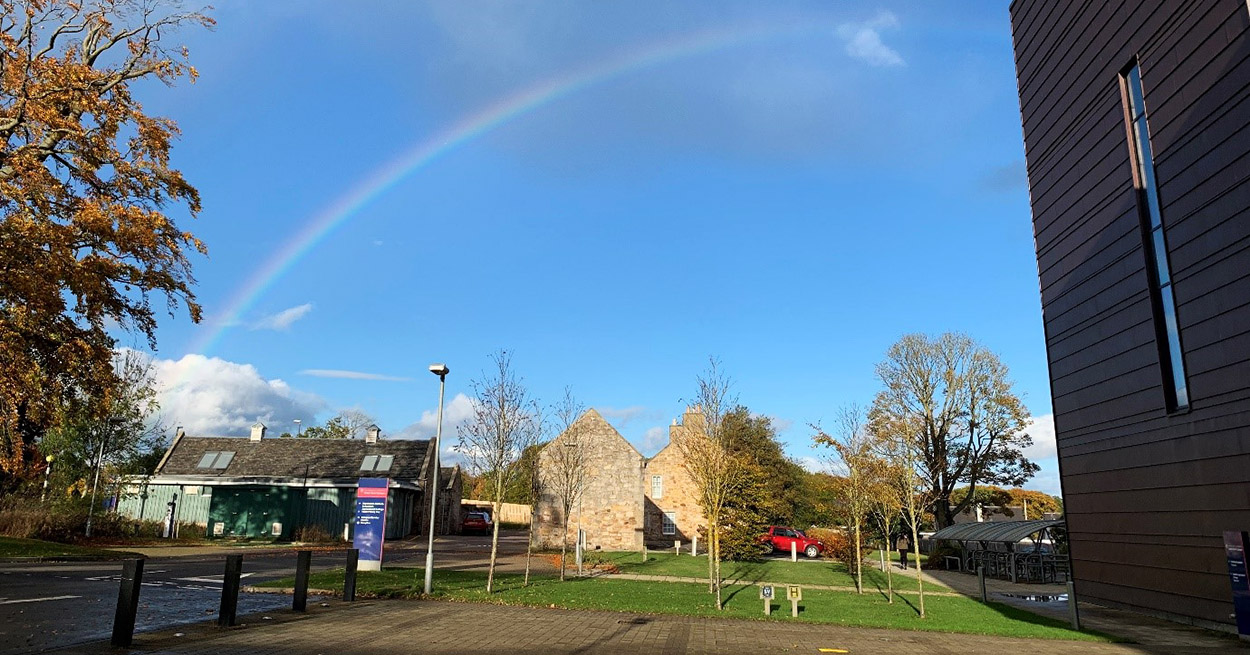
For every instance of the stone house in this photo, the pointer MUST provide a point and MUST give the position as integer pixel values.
(628, 498)
(673, 512)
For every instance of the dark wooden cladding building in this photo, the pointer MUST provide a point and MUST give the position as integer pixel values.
(1136, 119)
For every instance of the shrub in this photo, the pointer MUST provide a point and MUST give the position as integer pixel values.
(313, 534)
(838, 545)
(937, 556)
(739, 542)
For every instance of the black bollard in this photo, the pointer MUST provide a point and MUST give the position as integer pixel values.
(349, 575)
(230, 591)
(127, 603)
(303, 561)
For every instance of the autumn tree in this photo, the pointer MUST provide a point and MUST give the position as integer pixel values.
(894, 444)
(886, 505)
(563, 474)
(852, 455)
(1033, 504)
(87, 234)
(347, 424)
(715, 470)
(355, 422)
(504, 422)
(770, 485)
(965, 423)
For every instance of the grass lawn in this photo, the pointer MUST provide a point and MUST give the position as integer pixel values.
(945, 614)
(818, 572)
(13, 547)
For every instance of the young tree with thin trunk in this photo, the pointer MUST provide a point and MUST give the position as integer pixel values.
(564, 473)
(894, 441)
(505, 421)
(968, 422)
(716, 471)
(885, 508)
(852, 455)
(87, 231)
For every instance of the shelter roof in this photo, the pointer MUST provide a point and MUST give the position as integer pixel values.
(1005, 532)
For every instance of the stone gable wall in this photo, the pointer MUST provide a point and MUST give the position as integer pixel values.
(611, 508)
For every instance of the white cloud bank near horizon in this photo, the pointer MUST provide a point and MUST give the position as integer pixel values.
(209, 396)
(1044, 453)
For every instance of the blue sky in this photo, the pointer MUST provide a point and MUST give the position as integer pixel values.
(791, 197)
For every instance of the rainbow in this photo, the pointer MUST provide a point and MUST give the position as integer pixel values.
(463, 131)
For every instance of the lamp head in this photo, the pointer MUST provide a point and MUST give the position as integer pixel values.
(440, 370)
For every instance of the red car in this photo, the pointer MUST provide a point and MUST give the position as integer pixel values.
(780, 537)
(478, 522)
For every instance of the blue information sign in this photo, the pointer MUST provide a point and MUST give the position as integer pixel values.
(1235, 553)
(370, 521)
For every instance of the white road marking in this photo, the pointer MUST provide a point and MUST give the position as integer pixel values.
(35, 600)
(212, 579)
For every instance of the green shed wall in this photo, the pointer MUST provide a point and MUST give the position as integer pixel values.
(192, 508)
(252, 511)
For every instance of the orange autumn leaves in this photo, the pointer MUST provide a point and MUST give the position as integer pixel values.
(88, 203)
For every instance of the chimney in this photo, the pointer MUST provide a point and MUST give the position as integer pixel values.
(179, 433)
(258, 431)
(372, 434)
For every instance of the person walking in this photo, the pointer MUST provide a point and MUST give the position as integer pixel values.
(904, 545)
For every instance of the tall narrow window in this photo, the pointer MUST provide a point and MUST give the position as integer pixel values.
(1167, 329)
(657, 486)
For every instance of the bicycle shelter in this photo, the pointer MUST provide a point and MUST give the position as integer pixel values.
(1000, 547)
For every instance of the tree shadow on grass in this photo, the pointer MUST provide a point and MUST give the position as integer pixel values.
(910, 604)
(737, 590)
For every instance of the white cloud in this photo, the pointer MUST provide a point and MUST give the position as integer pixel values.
(283, 319)
(652, 440)
(863, 40)
(1042, 429)
(351, 375)
(457, 412)
(1046, 484)
(212, 396)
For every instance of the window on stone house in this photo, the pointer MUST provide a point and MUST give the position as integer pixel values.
(670, 523)
(657, 486)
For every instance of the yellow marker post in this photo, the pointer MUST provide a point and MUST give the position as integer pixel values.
(795, 594)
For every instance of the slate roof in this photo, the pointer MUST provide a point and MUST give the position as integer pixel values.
(335, 459)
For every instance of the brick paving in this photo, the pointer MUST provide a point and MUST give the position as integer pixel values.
(394, 627)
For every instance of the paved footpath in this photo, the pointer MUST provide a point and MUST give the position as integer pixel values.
(395, 627)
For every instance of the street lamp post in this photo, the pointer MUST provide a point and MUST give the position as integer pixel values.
(99, 464)
(441, 371)
(47, 472)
